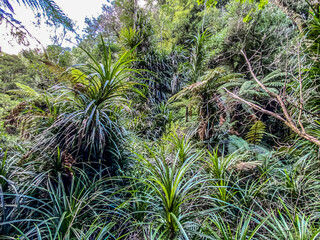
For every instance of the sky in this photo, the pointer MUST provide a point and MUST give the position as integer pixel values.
(77, 10)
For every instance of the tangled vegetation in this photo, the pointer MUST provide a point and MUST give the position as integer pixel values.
(172, 119)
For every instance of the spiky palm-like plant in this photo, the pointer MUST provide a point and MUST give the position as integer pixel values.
(171, 190)
(90, 121)
(184, 146)
(292, 225)
(218, 167)
(198, 54)
(242, 231)
(84, 210)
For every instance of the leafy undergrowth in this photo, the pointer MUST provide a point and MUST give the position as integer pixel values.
(186, 120)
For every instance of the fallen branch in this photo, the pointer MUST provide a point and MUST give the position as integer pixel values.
(286, 118)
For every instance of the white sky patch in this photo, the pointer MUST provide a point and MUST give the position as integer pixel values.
(77, 10)
(142, 3)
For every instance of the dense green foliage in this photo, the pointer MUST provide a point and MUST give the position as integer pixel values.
(172, 119)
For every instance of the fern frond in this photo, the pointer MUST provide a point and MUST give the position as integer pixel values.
(275, 75)
(24, 91)
(256, 133)
(196, 87)
(274, 79)
(214, 73)
(213, 79)
(274, 84)
(234, 77)
(79, 76)
(230, 85)
(255, 93)
(246, 86)
(236, 143)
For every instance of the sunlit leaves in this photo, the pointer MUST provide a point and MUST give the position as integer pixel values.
(208, 3)
(262, 4)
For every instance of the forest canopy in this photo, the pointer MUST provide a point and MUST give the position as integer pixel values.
(171, 119)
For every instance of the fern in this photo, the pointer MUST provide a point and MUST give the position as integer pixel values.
(275, 76)
(79, 76)
(214, 79)
(246, 86)
(236, 143)
(229, 85)
(272, 81)
(232, 77)
(24, 91)
(256, 133)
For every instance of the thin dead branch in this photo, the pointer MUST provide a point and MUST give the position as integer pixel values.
(287, 119)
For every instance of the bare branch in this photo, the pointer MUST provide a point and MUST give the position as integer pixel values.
(287, 119)
(300, 86)
(255, 106)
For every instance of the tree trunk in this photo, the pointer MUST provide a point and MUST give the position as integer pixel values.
(187, 114)
(135, 14)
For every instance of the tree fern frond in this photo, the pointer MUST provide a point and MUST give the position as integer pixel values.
(250, 88)
(275, 75)
(256, 133)
(213, 79)
(255, 93)
(235, 143)
(274, 79)
(274, 90)
(275, 84)
(196, 87)
(248, 85)
(231, 84)
(214, 73)
(234, 77)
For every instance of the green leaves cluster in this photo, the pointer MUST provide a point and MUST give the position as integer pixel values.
(89, 124)
(262, 4)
